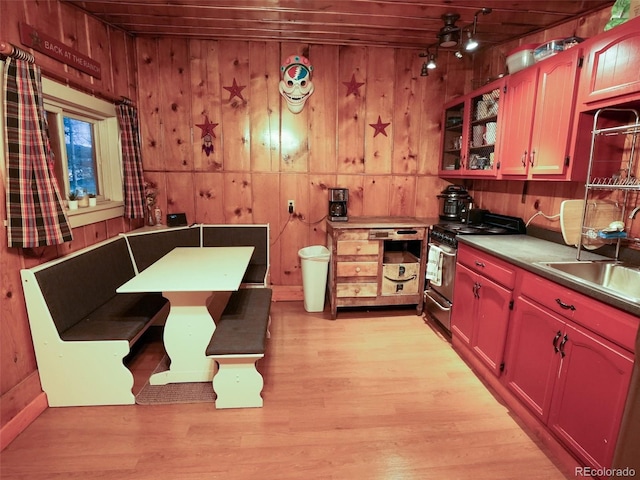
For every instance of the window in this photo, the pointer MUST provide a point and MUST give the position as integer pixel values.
(85, 139)
(81, 159)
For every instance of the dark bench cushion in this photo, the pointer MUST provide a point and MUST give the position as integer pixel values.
(240, 236)
(123, 317)
(242, 329)
(149, 247)
(77, 286)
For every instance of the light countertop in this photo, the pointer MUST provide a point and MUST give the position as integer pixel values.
(383, 222)
(524, 251)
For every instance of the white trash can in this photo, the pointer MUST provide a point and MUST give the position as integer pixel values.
(315, 264)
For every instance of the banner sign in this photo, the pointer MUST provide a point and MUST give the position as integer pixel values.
(53, 48)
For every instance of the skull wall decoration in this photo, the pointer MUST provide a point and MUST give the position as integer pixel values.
(296, 85)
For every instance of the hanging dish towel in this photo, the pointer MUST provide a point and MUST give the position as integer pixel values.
(434, 265)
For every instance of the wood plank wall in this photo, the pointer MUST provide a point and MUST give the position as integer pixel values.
(19, 380)
(265, 155)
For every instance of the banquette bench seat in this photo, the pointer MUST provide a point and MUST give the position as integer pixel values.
(238, 342)
(243, 235)
(148, 246)
(82, 329)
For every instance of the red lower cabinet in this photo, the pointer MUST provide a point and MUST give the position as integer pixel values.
(566, 356)
(574, 380)
(589, 396)
(532, 362)
(481, 305)
(492, 320)
(465, 307)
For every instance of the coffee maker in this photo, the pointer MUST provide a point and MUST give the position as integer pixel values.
(338, 198)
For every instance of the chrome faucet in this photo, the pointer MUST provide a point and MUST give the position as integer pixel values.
(634, 212)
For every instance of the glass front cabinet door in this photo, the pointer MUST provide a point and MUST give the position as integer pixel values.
(453, 138)
(470, 142)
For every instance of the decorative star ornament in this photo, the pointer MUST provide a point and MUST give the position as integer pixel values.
(379, 127)
(352, 86)
(235, 90)
(207, 127)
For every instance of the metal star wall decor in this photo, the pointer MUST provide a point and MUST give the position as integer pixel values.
(379, 127)
(207, 127)
(352, 86)
(235, 90)
(207, 135)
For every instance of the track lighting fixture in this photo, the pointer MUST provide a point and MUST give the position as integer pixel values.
(425, 70)
(432, 62)
(451, 36)
(471, 43)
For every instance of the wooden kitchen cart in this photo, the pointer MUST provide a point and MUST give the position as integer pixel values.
(377, 261)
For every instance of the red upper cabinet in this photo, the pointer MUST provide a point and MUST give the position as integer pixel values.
(539, 105)
(611, 73)
(555, 102)
(520, 99)
(453, 138)
(471, 133)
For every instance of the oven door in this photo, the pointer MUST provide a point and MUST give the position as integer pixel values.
(438, 298)
(438, 308)
(445, 289)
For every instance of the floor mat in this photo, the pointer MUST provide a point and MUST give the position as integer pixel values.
(199, 392)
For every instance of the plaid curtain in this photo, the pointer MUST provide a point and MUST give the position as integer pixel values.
(35, 214)
(134, 200)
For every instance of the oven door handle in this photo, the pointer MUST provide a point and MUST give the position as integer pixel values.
(444, 309)
(442, 250)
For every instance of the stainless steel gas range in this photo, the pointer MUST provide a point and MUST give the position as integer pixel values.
(441, 258)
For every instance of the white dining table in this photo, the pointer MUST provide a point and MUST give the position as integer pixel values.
(190, 278)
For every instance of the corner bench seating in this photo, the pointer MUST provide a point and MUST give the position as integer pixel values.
(148, 246)
(82, 329)
(238, 342)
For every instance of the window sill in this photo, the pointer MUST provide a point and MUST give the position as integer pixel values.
(101, 212)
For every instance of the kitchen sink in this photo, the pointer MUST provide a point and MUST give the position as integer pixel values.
(620, 278)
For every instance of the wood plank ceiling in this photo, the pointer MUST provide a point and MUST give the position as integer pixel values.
(395, 23)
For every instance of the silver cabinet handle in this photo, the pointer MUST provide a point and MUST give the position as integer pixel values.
(444, 309)
(443, 252)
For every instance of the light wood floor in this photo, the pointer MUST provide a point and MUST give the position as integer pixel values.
(373, 395)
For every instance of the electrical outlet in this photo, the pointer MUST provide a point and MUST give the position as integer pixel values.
(291, 206)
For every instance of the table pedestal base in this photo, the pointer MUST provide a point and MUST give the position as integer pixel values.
(187, 333)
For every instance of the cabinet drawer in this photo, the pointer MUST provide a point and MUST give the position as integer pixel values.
(609, 322)
(357, 269)
(491, 267)
(358, 247)
(557, 298)
(356, 290)
(352, 234)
